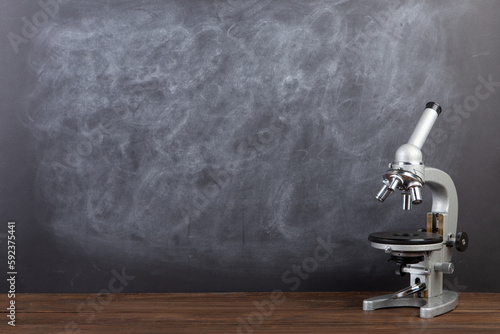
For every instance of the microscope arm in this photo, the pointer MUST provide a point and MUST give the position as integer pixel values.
(444, 201)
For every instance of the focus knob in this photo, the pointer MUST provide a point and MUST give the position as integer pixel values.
(462, 241)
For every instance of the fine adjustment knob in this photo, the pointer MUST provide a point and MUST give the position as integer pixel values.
(462, 241)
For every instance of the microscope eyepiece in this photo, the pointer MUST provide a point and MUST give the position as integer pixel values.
(434, 106)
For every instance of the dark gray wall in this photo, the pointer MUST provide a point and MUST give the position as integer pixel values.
(206, 145)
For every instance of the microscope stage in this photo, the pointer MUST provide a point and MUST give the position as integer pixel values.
(405, 238)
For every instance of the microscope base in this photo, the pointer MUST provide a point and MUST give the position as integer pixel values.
(429, 307)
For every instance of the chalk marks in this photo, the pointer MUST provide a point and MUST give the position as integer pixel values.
(217, 133)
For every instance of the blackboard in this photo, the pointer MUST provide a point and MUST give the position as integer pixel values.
(215, 145)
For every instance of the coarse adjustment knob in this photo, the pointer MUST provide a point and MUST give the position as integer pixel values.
(462, 241)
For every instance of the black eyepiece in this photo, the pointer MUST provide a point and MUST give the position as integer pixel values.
(435, 106)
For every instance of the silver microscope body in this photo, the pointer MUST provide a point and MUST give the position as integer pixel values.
(425, 254)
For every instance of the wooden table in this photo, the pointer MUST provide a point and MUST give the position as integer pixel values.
(297, 312)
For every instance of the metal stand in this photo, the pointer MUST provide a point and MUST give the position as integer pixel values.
(429, 307)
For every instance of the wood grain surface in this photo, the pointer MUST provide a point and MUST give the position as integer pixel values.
(302, 312)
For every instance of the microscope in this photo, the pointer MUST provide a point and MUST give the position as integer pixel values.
(423, 254)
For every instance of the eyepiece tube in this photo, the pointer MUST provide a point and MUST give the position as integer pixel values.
(424, 125)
